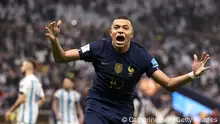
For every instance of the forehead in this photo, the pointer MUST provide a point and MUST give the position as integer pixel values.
(67, 80)
(121, 22)
(25, 62)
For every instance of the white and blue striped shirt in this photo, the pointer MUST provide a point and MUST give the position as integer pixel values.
(67, 105)
(31, 87)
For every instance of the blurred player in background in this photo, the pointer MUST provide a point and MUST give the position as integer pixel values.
(66, 103)
(31, 95)
(119, 63)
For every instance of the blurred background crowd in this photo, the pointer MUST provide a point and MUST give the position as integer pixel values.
(171, 30)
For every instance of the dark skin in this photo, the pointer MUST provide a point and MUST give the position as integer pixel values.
(124, 28)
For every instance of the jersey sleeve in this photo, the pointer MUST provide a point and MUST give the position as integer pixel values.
(89, 51)
(78, 97)
(151, 64)
(23, 88)
(57, 94)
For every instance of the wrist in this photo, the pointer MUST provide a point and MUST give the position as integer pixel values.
(192, 75)
(10, 110)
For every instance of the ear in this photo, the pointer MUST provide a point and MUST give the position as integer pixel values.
(110, 32)
(132, 34)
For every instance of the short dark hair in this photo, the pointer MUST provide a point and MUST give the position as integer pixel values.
(123, 17)
(33, 62)
(70, 75)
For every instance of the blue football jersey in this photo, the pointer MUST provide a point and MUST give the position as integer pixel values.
(117, 73)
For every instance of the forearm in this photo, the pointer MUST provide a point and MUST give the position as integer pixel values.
(172, 84)
(55, 108)
(41, 102)
(16, 105)
(178, 81)
(81, 115)
(58, 52)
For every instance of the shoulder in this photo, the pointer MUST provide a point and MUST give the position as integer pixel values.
(76, 93)
(140, 51)
(35, 78)
(95, 47)
(58, 91)
(100, 44)
(25, 81)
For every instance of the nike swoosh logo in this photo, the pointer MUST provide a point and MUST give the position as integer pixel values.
(104, 63)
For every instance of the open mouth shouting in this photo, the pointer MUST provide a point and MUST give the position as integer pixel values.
(120, 39)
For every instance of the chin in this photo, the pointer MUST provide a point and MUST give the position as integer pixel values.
(120, 44)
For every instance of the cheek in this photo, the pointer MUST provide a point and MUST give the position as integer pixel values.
(113, 33)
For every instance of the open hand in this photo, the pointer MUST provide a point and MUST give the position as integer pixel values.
(7, 116)
(53, 30)
(199, 66)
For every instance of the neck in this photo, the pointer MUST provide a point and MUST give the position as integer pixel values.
(67, 89)
(122, 49)
(29, 72)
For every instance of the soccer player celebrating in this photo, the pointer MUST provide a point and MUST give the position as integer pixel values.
(31, 95)
(66, 103)
(119, 64)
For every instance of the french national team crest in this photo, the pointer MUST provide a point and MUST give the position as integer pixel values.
(118, 68)
(130, 71)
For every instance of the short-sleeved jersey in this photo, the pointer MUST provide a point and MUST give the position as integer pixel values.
(67, 105)
(31, 87)
(117, 74)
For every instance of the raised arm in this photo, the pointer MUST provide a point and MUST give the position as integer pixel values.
(172, 84)
(60, 56)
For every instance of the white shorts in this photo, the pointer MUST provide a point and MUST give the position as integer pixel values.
(21, 123)
(60, 122)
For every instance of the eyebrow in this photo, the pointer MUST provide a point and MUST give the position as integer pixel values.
(120, 25)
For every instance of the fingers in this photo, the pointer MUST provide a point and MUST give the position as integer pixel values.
(48, 34)
(51, 37)
(195, 57)
(206, 68)
(206, 59)
(48, 30)
(203, 55)
(59, 23)
(52, 25)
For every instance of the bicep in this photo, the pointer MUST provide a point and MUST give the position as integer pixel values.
(161, 78)
(55, 103)
(71, 55)
(42, 93)
(55, 100)
(78, 106)
(21, 97)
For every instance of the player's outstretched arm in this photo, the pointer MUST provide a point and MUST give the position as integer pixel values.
(171, 84)
(60, 56)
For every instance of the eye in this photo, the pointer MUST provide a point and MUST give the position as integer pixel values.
(126, 27)
(116, 27)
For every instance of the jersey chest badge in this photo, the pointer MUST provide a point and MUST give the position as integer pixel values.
(130, 71)
(118, 68)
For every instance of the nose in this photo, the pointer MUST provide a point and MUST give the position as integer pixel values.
(120, 31)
